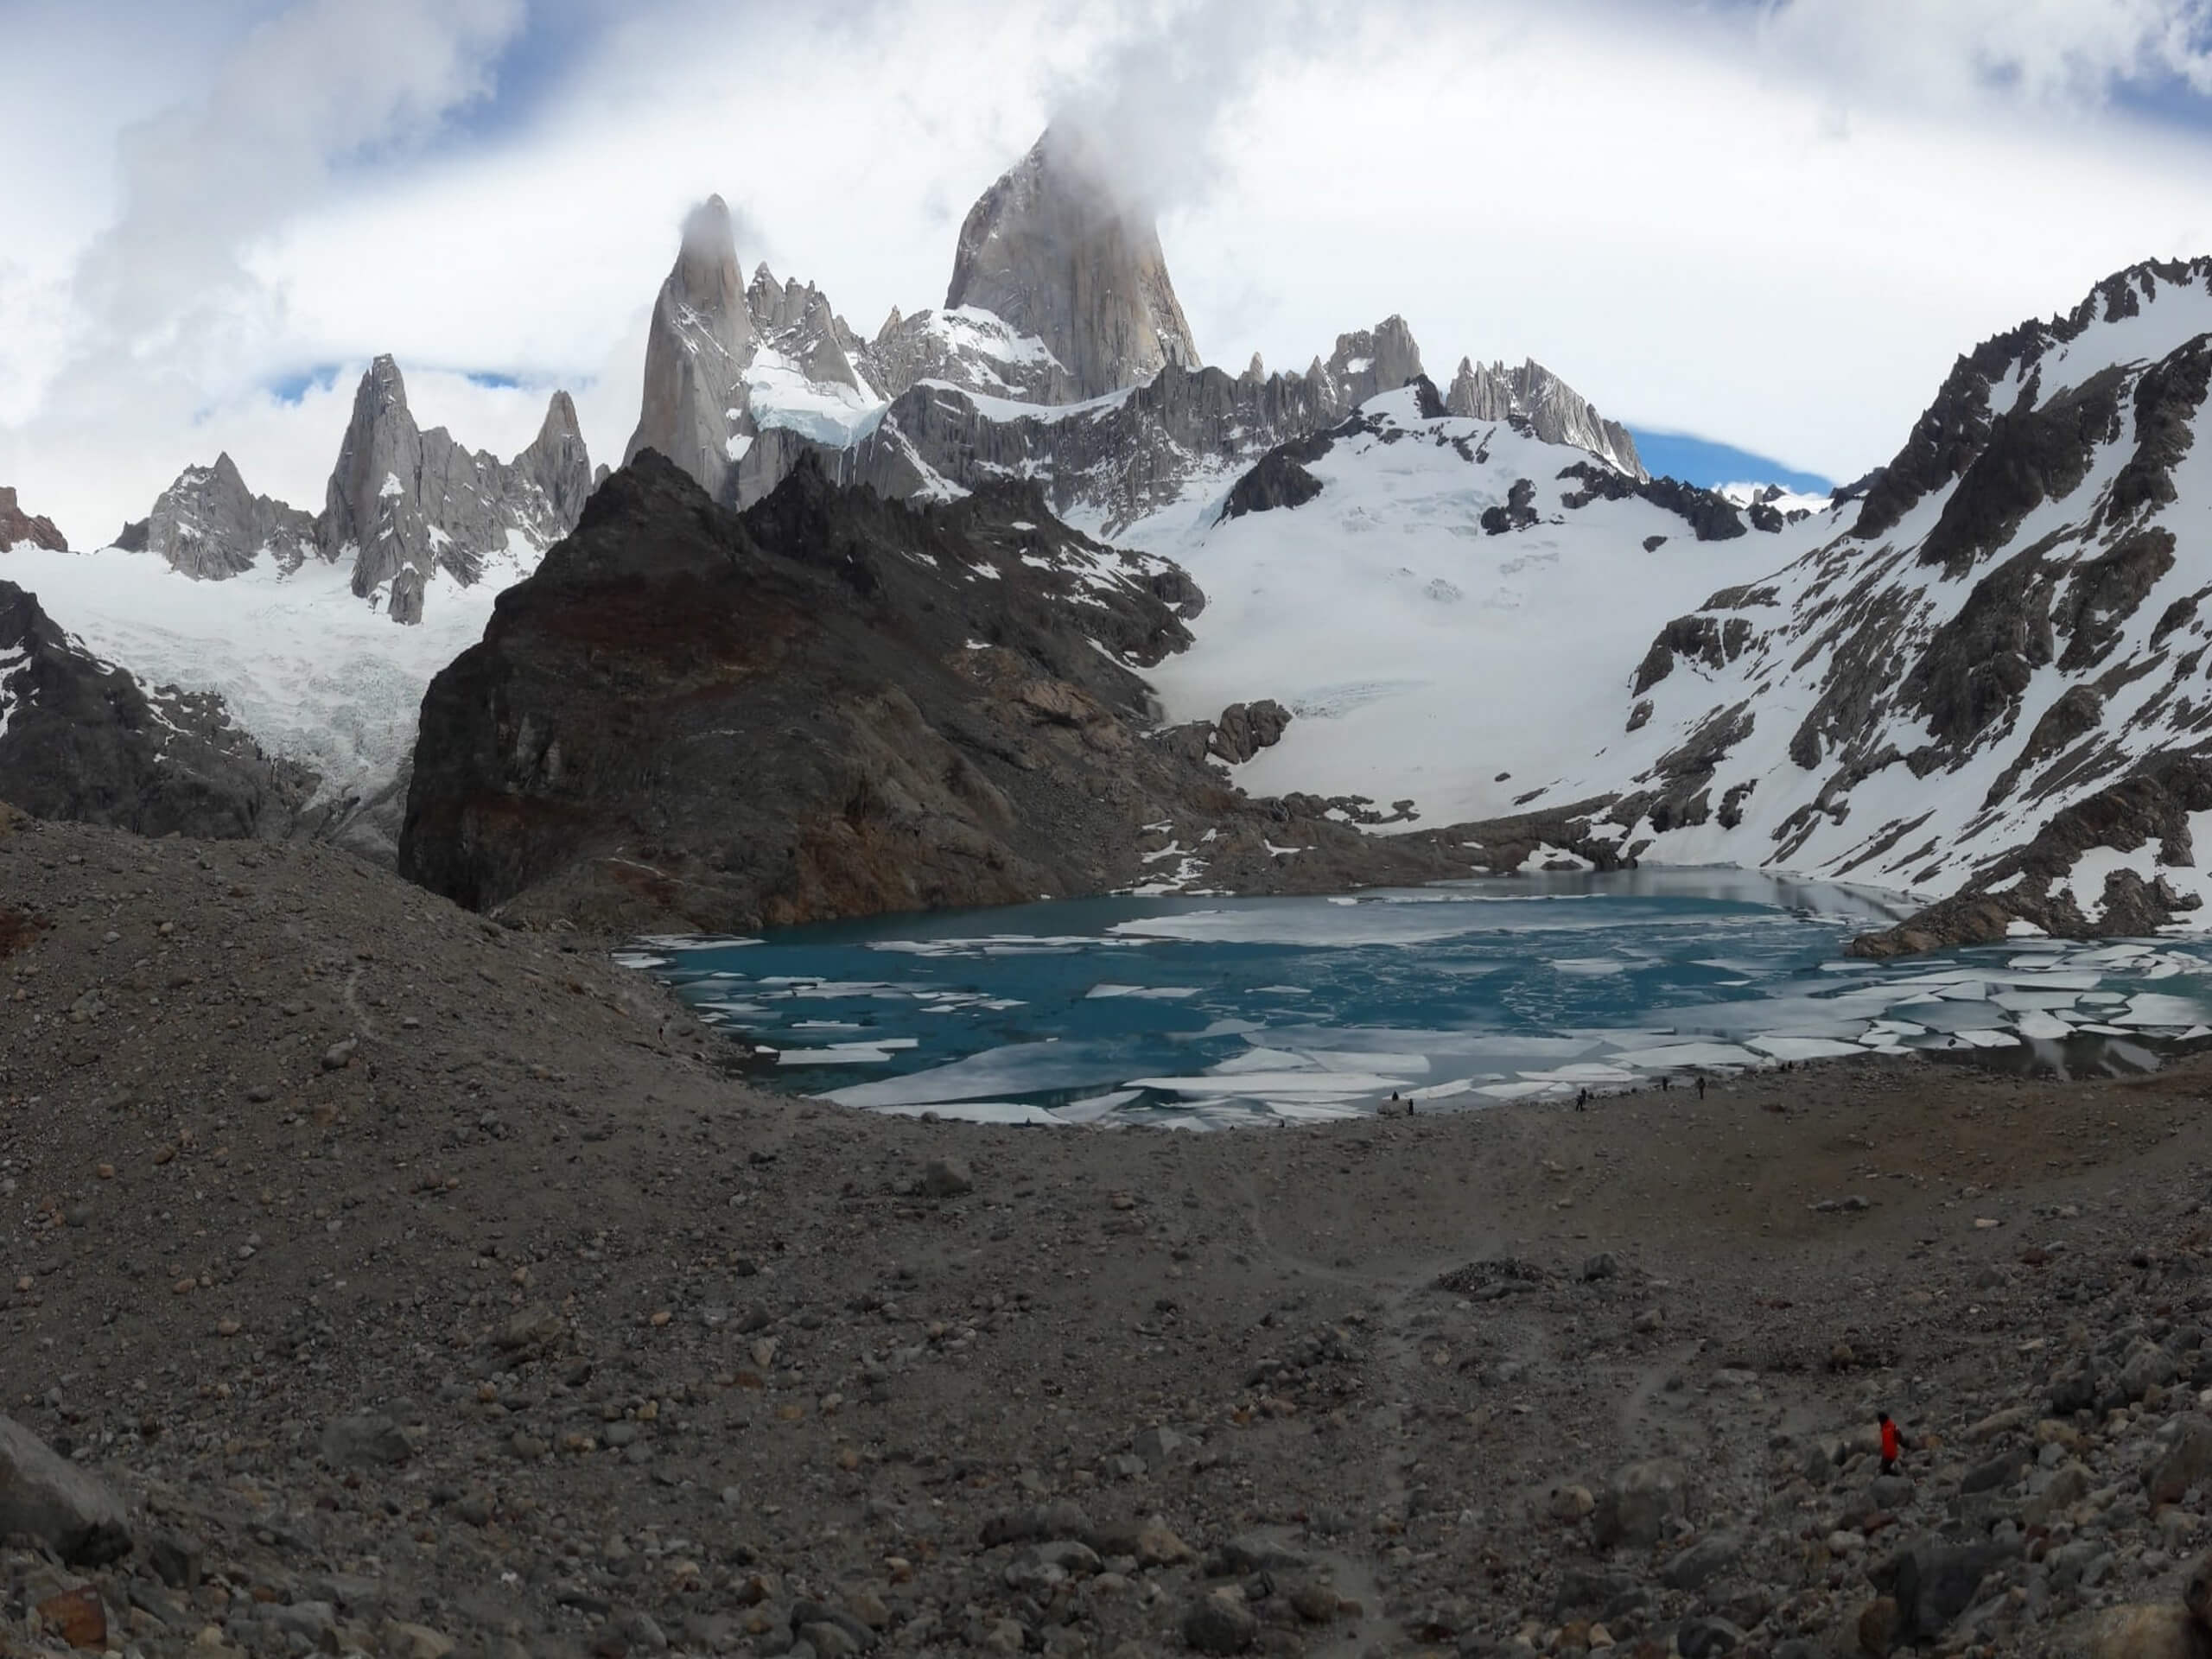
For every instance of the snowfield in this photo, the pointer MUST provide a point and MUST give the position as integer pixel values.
(1420, 655)
(315, 674)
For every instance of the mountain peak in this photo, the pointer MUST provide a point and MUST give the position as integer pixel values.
(1557, 412)
(1057, 251)
(700, 343)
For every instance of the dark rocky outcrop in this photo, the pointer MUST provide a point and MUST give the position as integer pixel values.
(1276, 481)
(831, 705)
(1517, 511)
(80, 738)
(1712, 517)
(2152, 804)
(1714, 641)
(1246, 729)
(2032, 454)
(18, 526)
(1952, 431)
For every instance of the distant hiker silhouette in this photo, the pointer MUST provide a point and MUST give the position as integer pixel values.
(1582, 1099)
(1701, 1088)
(1892, 1443)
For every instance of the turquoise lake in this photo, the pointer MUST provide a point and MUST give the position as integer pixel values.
(1205, 1012)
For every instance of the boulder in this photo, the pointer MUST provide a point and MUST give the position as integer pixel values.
(53, 1501)
(1933, 1583)
(1690, 1569)
(1634, 1509)
(1219, 1623)
(947, 1178)
(1246, 729)
(2186, 1460)
(366, 1441)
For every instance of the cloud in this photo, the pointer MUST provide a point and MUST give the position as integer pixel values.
(2046, 55)
(1149, 106)
(1772, 223)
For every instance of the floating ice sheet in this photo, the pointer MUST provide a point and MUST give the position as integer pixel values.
(1213, 1013)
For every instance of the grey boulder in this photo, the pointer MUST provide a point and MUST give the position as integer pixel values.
(51, 1500)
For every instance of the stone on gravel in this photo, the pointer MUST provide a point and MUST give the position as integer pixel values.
(368, 1441)
(1690, 1569)
(1642, 1498)
(1933, 1583)
(65, 1509)
(1700, 1638)
(2186, 1461)
(1219, 1623)
(947, 1178)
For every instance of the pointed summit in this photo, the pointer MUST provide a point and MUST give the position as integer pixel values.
(700, 343)
(1058, 252)
(1554, 409)
(556, 462)
(406, 504)
(209, 526)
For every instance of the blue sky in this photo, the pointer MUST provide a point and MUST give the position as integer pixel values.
(1709, 463)
(1772, 226)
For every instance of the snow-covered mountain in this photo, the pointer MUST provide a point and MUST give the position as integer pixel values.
(1982, 678)
(286, 616)
(1062, 355)
(1445, 604)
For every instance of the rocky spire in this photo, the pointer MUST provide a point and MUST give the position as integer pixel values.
(371, 509)
(1557, 412)
(1055, 249)
(700, 343)
(1368, 361)
(17, 527)
(404, 502)
(557, 463)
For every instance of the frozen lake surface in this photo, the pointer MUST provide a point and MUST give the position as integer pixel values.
(1205, 1012)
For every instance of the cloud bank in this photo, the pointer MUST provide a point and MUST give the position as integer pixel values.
(1771, 224)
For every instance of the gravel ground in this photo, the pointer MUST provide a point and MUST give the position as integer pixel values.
(423, 1287)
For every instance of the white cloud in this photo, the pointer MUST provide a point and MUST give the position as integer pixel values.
(1773, 225)
(2046, 54)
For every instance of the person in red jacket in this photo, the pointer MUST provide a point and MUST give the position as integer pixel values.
(1892, 1443)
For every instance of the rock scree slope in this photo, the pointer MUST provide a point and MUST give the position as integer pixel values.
(409, 1285)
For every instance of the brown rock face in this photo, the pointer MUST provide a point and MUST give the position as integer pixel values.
(18, 526)
(1054, 249)
(834, 705)
(830, 706)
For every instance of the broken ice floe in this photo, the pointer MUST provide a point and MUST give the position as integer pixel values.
(1182, 1014)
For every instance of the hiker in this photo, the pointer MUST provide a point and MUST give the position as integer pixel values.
(1701, 1088)
(1892, 1444)
(1582, 1099)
